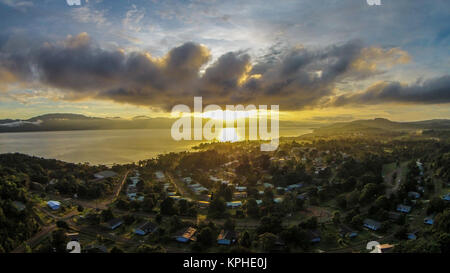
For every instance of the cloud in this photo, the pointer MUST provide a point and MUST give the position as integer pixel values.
(294, 78)
(133, 18)
(431, 91)
(19, 5)
(85, 14)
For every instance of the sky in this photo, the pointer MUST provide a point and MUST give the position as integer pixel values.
(319, 60)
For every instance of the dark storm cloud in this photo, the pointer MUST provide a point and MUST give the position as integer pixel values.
(293, 78)
(432, 91)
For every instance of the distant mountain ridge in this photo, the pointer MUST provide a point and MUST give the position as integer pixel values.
(68, 122)
(381, 126)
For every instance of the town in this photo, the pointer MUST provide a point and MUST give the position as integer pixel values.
(310, 195)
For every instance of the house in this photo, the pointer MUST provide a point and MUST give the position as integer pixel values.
(241, 188)
(404, 208)
(314, 236)
(160, 175)
(240, 195)
(394, 215)
(114, 223)
(278, 200)
(429, 220)
(420, 166)
(203, 204)
(196, 185)
(187, 180)
(234, 204)
(145, 228)
(105, 174)
(54, 205)
(345, 231)
(18, 205)
(294, 186)
(385, 248)
(446, 197)
(371, 224)
(413, 194)
(303, 196)
(187, 235)
(74, 236)
(412, 235)
(227, 237)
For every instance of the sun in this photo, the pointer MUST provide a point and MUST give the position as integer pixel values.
(228, 135)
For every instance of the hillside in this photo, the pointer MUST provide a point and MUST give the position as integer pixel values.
(380, 126)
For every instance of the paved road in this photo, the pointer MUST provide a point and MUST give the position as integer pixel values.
(44, 231)
(47, 229)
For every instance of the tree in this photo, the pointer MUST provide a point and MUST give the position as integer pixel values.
(116, 249)
(174, 223)
(336, 218)
(251, 208)
(129, 219)
(107, 215)
(59, 240)
(62, 224)
(401, 233)
(309, 223)
(217, 208)
(269, 224)
(183, 207)
(268, 241)
(436, 205)
(229, 224)
(167, 206)
(444, 242)
(442, 221)
(146, 248)
(245, 240)
(206, 237)
(148, 203)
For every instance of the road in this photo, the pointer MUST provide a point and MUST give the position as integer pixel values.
(47, 229)
(105, 203)
(44, 232)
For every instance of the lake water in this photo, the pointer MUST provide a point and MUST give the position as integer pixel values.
(102, 146)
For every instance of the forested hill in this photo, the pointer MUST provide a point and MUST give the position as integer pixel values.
(380, 126)
(68, 122)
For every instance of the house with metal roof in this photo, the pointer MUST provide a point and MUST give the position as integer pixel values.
(403, 208)
(227, 237)
(145, 228)
(114, 223)
(187, 235)
(372, 224)
(54, 205)
(429, 220)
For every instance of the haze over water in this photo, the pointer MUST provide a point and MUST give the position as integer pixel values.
(103, 146)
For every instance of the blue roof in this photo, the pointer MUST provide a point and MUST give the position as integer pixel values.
(54, 204)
